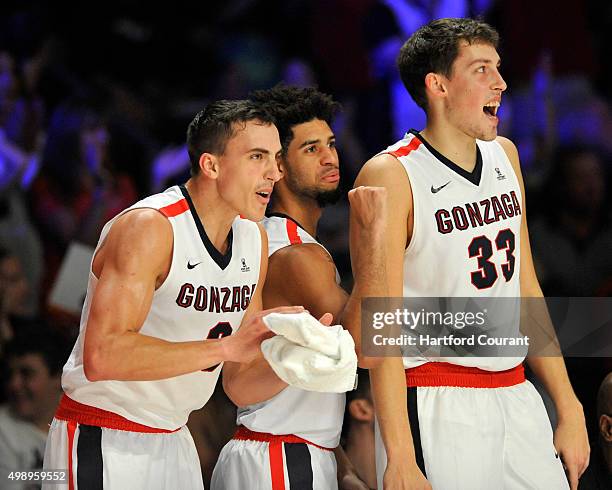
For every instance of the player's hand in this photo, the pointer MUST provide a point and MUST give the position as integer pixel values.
(572, 444)
(369, 207)
(244, 345)
(350, 481)
(326, 319)
(404, 477)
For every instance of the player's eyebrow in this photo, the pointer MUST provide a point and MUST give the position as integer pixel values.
(486, 61)
(314, 142)
(308, 143)
(258, 150)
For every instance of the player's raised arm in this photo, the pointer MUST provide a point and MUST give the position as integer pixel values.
(570, 438)
(368, 228)
(387, 379)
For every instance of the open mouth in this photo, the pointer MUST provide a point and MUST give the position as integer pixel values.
(491, 109)
(264, 197)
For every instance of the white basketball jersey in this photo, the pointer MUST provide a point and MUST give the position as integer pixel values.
(466, 234)
(316, 417)
(204, 296)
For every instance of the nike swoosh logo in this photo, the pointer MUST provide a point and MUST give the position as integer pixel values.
(191, 266)
(438, 189)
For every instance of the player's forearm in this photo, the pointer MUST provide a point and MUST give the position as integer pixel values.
(552, 373)
(368, 261)
(131, 356)
(370, 280)
(388, 383)
(250, 383)
(345, 467)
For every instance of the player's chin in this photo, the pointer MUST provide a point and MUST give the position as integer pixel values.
(487, 134)
(254, 214)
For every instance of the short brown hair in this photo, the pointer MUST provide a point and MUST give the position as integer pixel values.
(215, 125)
(434, 47)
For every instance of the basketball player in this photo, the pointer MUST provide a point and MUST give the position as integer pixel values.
(484, 426)
(287, 436)
(172, 277)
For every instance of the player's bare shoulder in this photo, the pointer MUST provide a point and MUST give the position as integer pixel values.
(381, 169)
(300, 257)
(143, 227)
(141, 235)
(385, 170)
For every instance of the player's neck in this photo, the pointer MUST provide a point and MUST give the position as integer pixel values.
(306, 213)
(606, 452)
(454, 144)
(216, 216)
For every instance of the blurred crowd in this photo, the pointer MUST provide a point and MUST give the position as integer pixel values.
(94, 104)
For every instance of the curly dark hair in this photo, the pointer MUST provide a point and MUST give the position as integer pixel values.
(215, 125)
(434, 47)
(290, 106)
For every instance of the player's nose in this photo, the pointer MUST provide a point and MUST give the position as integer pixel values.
(272, 170)
(329, 156)
(499, 82)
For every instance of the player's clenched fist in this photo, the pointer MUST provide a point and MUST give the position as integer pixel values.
(368, 206)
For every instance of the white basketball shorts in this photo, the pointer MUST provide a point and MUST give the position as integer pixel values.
(485, 431)
(257, 461)
(135, 457)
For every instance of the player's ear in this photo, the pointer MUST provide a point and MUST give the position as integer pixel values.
(605, 428)
(362, 410)
(281, 164)
(209, 165)
(435, 85)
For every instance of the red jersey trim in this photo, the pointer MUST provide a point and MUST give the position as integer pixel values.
(73, 411)
(446, 374)
(244, 434)
(175, 209)
(405, 150)
(292, 233)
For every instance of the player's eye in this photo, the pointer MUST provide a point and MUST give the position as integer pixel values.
(311, 149)
(256, 156)
(481, 69)
(332, 144)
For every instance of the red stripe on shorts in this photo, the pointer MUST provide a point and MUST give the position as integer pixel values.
(404, 150)
(276, 465)
(175, 209)
(71, 429)
(73, 411)
(275, 450)
(292, 233)
(446, 374)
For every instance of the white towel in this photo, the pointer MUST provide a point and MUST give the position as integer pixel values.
(309, 355)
